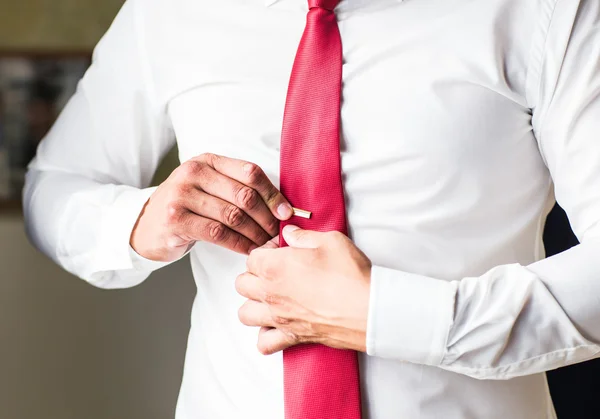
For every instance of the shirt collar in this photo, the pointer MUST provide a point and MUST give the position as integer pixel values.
(272, 2)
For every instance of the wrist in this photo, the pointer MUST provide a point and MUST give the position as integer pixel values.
(352, 333)
(143, 240)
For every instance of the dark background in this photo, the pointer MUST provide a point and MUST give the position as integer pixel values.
(575, 389)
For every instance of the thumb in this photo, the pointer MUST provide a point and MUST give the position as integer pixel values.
(303, 239)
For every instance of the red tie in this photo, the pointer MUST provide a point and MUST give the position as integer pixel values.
(319, 382)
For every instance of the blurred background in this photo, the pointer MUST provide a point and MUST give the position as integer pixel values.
(68, 350)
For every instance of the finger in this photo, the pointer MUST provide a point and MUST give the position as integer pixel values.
(198, 228)
(210, 206)
(304, 239)
(271, 341)
(255, 314)
(253, 176)
(271, 244)
(240, 195)
(263, 262)
(250, 286)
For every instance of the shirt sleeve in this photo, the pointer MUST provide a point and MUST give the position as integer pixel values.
(89, 181)
(518, 320)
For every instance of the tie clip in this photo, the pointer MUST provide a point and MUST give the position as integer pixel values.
(302, 213)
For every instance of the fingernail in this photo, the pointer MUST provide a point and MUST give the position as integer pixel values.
(290, 228)
(285, 211)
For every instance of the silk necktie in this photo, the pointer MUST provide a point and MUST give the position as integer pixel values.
(319, 382)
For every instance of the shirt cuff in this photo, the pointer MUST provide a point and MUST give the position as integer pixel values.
(410, 316)
(128, 268)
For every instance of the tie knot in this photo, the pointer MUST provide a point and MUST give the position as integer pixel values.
(323, 4)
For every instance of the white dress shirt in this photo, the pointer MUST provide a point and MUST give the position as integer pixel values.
(462, 121)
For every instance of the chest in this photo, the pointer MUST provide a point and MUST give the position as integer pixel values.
(426, 88)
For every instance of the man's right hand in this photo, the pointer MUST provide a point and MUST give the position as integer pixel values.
(214, 199)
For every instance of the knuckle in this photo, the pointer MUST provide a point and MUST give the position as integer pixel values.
(217, 231)
(210, 158)
(300, 339)
(233, 216)
(334, 236)
(272, 230)
(273, 225)
(271, 194)
(191, 168)
(338, 235)
(247, 198)
(182, 189)
(202, 204)
(239, 244)
(294, 337)
(281, 320)
(254, 173)
(315, 256)
(174, 212)
(269, 270)
(257, 262)
(272, 299)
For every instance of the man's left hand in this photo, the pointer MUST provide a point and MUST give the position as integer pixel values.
(314, 291)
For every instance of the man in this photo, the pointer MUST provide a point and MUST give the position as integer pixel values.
(460, 122)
